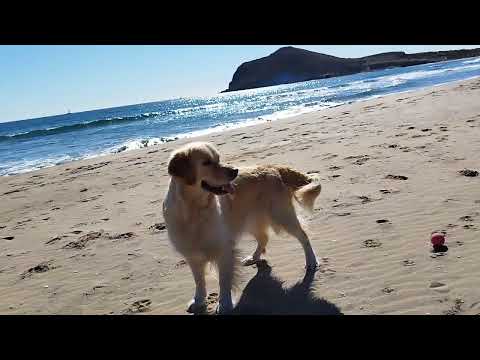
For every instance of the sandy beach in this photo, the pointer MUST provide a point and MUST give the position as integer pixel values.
(87, 237)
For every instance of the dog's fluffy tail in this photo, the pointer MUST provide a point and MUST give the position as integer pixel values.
(307, 194)
(305, 188)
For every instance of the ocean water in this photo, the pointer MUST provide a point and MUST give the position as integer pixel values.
(32, 144)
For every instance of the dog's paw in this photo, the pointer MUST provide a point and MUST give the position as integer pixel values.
(249, 260)
(196, 307)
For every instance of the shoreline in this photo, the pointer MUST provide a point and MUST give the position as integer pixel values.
(87, 237)
(116, 149)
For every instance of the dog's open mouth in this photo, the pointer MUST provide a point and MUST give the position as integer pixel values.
(219, 190)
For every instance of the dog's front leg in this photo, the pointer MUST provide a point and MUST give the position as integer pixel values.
(226, 272)
(198, 303)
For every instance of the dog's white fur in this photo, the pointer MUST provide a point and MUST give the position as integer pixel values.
(204, 227)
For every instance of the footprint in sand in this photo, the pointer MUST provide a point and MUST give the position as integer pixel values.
(23, 221)
(342, 204)
(139, 306)
(55, 239)
(359, 159)
(180, 264)
(456, 308)
(157, 227)
(468, 172)
(408, 262)
(127, 235)
(92, 292)
(80, 224)
(364, 199)
(449, 200)
(370, 243)
(15, 191)
(91, 198)
(343, 214)
(40, 268)
(329, 156)
(83, 241)
(89, 167)
(396, 177)
(438, 286)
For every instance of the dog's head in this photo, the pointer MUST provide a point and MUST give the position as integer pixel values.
(198, 164)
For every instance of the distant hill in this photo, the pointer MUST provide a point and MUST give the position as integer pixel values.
(289, 64)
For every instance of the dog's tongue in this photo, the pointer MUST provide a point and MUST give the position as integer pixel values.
(229, 188)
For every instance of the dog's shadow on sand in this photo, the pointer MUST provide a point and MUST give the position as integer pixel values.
(264, 295)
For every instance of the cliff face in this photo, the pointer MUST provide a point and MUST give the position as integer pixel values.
(289, 65)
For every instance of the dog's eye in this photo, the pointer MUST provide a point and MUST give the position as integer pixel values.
(207, 163)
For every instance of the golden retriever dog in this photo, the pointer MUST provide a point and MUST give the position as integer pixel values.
(209, 206)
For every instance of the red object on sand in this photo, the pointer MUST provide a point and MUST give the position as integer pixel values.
(438, 239)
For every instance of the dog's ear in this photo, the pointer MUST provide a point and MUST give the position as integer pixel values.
(181, 166)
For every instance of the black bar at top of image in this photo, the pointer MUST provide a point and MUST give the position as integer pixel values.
(277, 26)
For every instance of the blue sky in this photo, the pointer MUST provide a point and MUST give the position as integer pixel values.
(42, 80)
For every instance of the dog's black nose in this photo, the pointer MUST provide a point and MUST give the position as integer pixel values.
(233, 173)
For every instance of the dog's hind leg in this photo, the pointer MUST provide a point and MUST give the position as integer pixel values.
(261, 236)
(198, 303)
(286, 217)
